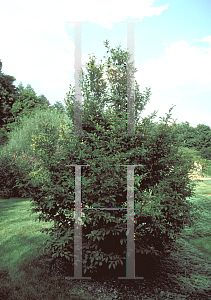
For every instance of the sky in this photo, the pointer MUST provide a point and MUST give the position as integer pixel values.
(172, 48)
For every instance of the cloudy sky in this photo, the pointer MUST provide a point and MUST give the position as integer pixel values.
(172, 48)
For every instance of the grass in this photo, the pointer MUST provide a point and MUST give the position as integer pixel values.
(25, 273)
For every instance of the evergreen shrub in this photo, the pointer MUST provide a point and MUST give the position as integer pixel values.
(161, 208)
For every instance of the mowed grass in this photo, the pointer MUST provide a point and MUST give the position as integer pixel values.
(24, 271)
(200, 235)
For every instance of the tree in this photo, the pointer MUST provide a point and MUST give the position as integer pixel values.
(94, 87)
(59, 107)
(16, 102)
(43, 100)
(161, 183)
(8, 96)
(27, 104)
(203, 140)
(197, 138)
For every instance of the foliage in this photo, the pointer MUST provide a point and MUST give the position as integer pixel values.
(17, 136)
(8, 96)
(3, 136)
(116, 99)
(59, 107)
(17, 102)
(161, 184)
(27, 105)
(197, 138)
(6, 178)
(20, 109)
(18, 152)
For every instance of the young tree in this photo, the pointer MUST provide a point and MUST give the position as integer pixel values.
(115, 100)
(161, 183)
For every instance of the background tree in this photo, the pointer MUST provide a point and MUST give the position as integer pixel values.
(197, 138)
(59, 107)
(8, 96)
(26, 105)
(18, 106)
(17, 102)
(203, 140)
(43, 100)
(12, 171)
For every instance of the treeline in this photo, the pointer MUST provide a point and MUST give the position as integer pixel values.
(16, 102)
(195, 138)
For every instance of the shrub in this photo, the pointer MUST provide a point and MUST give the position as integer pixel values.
(161, 208)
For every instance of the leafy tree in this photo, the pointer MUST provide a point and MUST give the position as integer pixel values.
(203, 140)
(59, 107)
(197, 138)
(161, 183)
(16, 102)
(94, 87)
(181, 130)
(26, 105)
(43, 100)
(8, 96)
(56, 106)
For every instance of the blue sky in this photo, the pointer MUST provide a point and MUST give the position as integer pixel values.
(172, 48)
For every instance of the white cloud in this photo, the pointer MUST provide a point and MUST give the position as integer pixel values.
(207, 39)
(182, 73)
(181, 64)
